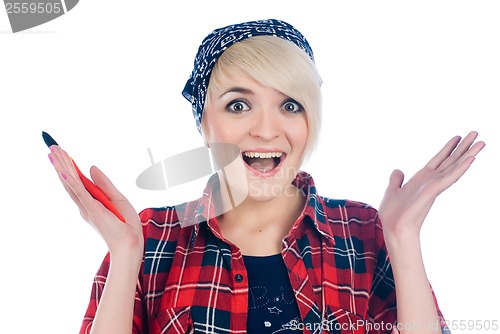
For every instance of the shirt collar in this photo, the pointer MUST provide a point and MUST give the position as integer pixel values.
(204, 210)
(314, 209)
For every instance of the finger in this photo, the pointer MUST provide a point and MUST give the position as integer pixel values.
(469, 156)
(62, 173)
(456, 172)
(65, 160)
(88, 202)
(444, 153)
(59, 165)
(461, 151)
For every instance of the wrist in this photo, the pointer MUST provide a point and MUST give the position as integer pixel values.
(401, 236)
(407, 242)
(129, 256)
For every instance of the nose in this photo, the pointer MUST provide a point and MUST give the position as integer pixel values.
(266, 125)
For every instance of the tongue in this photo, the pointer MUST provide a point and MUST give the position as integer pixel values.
(262, 165)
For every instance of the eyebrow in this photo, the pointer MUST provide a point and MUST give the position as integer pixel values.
(236, 90)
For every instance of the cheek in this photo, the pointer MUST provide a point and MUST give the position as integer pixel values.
(210, 126)
(219, 130)
(298, 135)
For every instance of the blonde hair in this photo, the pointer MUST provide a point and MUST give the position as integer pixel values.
(281, 65)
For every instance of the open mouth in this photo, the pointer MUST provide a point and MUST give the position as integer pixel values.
(263, 161)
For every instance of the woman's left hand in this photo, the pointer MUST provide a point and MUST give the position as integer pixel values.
(404, 207)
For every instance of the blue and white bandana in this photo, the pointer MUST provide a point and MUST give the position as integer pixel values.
(218, 41)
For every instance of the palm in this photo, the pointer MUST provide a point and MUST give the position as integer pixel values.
(118, 235)
(404, 207)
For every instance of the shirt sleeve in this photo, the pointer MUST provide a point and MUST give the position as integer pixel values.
(382, 311)
(95, 297)
(96, 294)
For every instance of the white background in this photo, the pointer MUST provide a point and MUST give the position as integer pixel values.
(400, 79)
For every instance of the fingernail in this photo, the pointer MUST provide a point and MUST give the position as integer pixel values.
(52, 148)
(50, 158)
(64, 176)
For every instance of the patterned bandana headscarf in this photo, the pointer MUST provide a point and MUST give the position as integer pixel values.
(218, 41)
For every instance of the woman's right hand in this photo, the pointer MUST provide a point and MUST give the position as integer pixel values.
(122, 238)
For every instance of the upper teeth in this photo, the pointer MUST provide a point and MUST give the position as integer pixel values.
(263, 155)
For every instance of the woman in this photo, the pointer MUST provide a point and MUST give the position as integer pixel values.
(284, 259)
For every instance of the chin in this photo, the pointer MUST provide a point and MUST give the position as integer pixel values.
(266, 189)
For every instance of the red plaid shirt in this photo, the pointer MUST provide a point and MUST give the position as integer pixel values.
(193, 280)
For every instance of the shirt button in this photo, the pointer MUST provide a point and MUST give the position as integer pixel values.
(238, 278)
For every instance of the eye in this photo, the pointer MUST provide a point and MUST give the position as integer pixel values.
(237, 106)
(292, 106)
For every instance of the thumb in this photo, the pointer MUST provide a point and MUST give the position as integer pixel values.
(396, 180)
(108, 188)
(105, 184)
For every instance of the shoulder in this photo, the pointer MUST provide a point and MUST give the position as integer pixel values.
(160, 215)
(330, 207)
(348, 209)
(352, 220)
(159, 222)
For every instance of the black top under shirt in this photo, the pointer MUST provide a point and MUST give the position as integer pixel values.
(272, 307)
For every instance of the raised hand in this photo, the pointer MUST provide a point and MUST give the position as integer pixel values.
(120, 237)
(405, 206)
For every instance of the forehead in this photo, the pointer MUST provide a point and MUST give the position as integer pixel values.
(240, 83)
